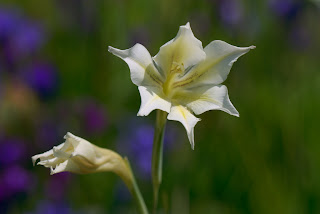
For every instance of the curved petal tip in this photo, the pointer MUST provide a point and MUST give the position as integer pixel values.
(110, 48)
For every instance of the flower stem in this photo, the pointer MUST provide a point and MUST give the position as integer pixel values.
(157, 153)
(134, 189)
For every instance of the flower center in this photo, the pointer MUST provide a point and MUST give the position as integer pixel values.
(176, 69)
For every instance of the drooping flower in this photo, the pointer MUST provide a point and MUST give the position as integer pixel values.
(183, 77)
(80, 156)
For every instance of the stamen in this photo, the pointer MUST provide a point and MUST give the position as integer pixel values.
(176, 69)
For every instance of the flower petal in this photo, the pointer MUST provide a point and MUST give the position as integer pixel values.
(220, 57)
(45, 156)
(142, 69)
(188, 120)
(80, 146)
(205, 98)
(67, 166)
(51, 162)
(151, 100)
(184, 49)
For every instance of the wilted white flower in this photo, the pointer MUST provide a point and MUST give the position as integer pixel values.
(183, 78)
(80, 156)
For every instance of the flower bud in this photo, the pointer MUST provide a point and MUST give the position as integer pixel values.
(80, 156)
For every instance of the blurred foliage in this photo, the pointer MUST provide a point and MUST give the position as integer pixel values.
(266, 161)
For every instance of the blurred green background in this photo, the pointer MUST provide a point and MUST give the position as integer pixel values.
(57, 76)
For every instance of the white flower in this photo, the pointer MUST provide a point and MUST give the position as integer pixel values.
(183, 78)
(80, 156)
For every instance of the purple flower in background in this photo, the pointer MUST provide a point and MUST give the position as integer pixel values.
(19, 37)
(231, 12)
(48, 133)
(49, 207)
(137, 144)
(141, 148)
(285, 8)
(84, 115)
(94, 118)
(281, 7)
(15, 179)
(56, 186)
(27, 39)
(9, 19)
(43, 79)
(11, 150)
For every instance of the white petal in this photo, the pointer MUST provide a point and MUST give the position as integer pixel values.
(220, 57)
(188, 120)
(142, 69)
(205, 98)
(63, 151)
(184, 48)
(151, 100)
(67, 166)
(51, 162)
(45, 156)
(81, 147)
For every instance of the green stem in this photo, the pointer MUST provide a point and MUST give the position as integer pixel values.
(157, 153)
(134, 189)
